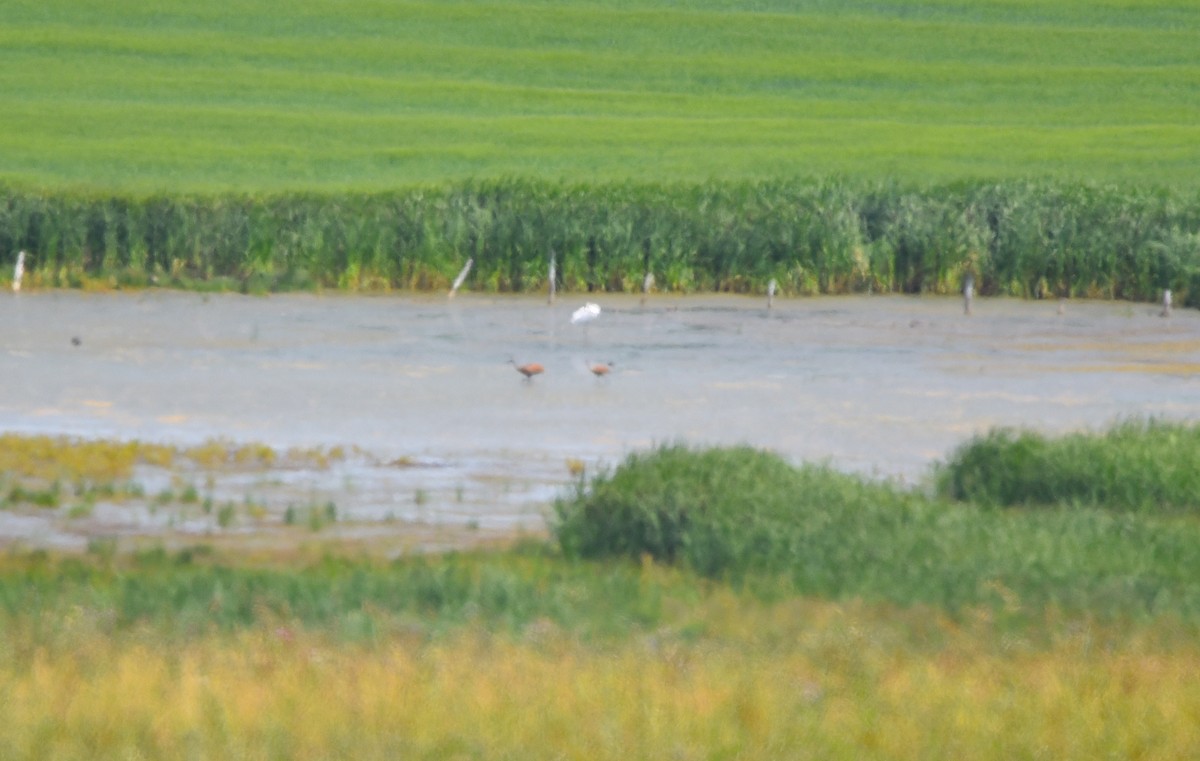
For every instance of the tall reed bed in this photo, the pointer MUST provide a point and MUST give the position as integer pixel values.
(1024, 238)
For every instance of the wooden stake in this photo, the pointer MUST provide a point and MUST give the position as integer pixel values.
(18, 272)
(458, 281)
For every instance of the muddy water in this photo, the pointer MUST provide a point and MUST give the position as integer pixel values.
(879, 385)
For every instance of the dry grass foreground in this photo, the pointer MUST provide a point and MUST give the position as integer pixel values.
(798, 679)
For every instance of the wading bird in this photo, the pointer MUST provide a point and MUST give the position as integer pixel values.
(528, 370)
(601, 369)
(585, 313)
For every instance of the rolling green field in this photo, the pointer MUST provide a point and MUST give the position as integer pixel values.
(367, 96)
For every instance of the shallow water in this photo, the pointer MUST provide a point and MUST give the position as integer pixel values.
(882, 385)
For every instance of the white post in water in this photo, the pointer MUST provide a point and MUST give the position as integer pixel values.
(968, 293)
(552, 277)
(647, 284)
(458, 281)
(18, 271)
(771, 293)
(1166, 302)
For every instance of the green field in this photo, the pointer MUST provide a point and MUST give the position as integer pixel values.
(173, 97)
(1047, 149)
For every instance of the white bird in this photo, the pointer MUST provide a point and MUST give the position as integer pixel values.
(585, 313)
(18, 271)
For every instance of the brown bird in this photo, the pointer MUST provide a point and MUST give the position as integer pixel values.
(600, 369)
(528, 370)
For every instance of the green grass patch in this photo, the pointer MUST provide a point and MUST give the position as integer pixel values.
(1137, 466)
(368, 96)
(47, 497)
(734, 513)
(190, 592)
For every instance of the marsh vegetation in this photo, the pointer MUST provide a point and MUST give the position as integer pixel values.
(1029, 239)
(105, 495)
(1036, 596)
(690, 601)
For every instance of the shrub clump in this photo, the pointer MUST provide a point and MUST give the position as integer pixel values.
(719, 510)
(1141, 466)
(739, 514)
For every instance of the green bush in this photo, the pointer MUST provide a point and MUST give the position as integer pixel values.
(718, 510)
(1147, 466)
(738, 513)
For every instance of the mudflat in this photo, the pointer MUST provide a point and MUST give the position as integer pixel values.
(446, 433)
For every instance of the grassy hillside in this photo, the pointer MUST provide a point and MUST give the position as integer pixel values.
(364, 95)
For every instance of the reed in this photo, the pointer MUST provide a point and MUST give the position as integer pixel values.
(1031, 239)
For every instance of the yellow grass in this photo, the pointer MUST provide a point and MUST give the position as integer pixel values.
(833, 683)
(50, 457)
(46, 458)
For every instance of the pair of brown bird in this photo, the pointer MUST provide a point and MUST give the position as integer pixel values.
(599, 369)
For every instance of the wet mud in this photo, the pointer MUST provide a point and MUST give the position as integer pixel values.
(453, 446)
